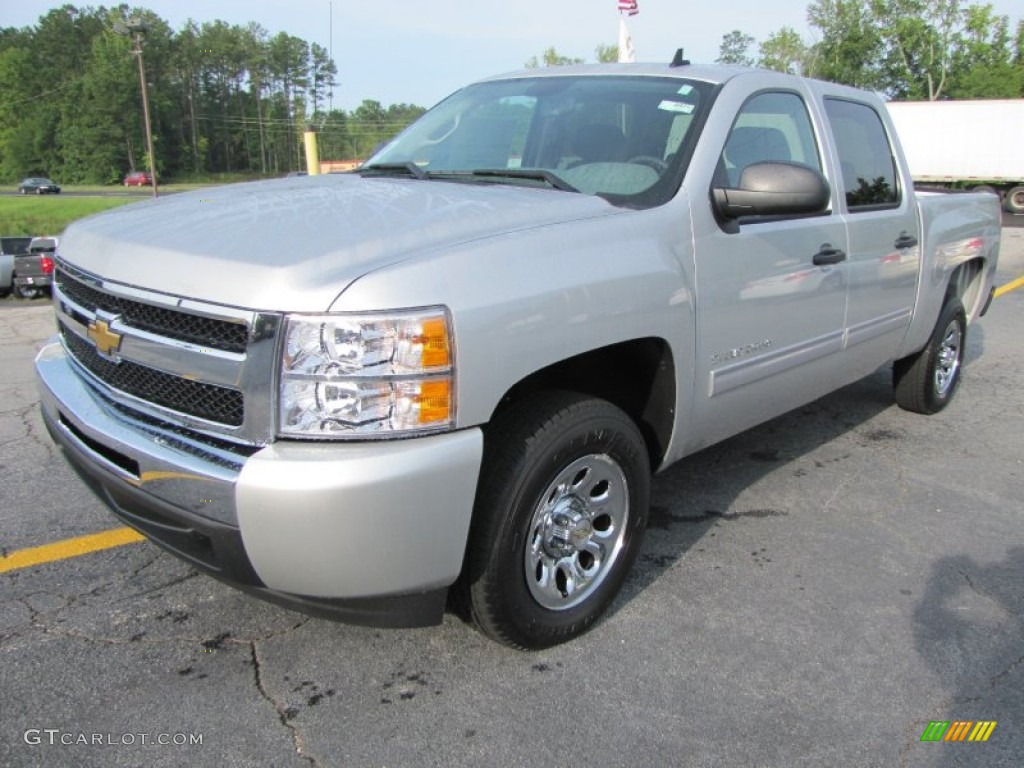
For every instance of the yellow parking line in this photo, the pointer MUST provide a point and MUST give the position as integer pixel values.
(62, 550)
(1011, 286)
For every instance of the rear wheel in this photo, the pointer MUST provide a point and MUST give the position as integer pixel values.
(927, 381)
(26, 291)
(1014, 200)
(559, 518)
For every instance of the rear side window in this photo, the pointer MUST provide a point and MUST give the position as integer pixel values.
(865, 156)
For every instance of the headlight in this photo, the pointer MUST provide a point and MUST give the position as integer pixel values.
(367, 375)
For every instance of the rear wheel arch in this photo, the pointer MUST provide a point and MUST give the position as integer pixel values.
(965, 286)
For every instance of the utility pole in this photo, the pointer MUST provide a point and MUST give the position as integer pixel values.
(138, 29)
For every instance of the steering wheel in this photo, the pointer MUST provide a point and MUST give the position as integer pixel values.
(656, 163)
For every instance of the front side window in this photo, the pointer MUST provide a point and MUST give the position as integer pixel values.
(865, 155)
(626, 139)
(771, 127)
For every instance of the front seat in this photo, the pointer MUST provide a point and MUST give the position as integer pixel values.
(748, 145)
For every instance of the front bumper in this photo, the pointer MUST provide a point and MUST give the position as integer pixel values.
(370, 533)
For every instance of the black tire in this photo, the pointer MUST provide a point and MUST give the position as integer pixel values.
(926, 382)
(1014, 200)
(564, 477)
(26, 291)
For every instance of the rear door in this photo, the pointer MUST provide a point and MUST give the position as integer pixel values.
(884, 256)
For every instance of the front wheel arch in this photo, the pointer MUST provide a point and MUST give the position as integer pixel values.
(637, 376)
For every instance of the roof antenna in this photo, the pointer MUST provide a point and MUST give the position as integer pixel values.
(678, 60)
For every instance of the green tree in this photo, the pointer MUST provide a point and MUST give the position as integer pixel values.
(986, 64)
(322, 72)
(735, 49)
(222, 98)
(920, 41)
(18, 154)
(551, 58)
(99, 133)
(916, 49)
(606, 54)
(784, 51)
(849, 45)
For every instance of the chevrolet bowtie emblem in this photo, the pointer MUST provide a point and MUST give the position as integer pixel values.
(107, 342)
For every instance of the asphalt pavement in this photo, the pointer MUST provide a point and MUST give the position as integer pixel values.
(815, 591)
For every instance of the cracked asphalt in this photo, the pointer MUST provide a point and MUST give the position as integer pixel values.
(812, 592)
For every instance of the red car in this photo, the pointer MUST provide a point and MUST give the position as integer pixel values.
(138, 179)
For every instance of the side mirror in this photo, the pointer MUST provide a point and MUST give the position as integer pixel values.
(773, 189)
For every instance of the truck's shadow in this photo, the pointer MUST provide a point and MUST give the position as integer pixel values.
(690, 499)
(697, 494)
(969, 627)
(700, 492)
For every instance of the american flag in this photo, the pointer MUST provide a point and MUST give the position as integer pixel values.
(629, 6)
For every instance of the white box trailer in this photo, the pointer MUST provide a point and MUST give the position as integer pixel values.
(968, 144)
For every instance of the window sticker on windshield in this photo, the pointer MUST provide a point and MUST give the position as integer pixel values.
(677, 106)
(686, 90)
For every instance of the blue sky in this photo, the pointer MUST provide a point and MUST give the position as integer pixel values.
(418, 52)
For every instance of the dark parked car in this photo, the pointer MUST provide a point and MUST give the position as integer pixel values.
(138, 179)
(39, 186)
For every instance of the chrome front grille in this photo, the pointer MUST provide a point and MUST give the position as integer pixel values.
(204, 401)
(218, 334)
(204, 369)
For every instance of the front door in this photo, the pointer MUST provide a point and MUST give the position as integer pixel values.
(770, 322)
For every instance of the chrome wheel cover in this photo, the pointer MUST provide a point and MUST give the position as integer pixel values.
(577, 532)
(948, 362)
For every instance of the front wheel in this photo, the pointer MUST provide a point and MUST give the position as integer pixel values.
(559, 518)
(926, 382)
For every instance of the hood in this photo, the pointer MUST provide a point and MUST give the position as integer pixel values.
(295, 244)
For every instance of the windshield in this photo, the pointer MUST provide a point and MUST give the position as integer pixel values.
(624, 138)
(15, 244)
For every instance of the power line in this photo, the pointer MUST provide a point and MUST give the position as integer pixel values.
(37, 96)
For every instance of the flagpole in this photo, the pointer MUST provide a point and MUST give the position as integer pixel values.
(627, 53)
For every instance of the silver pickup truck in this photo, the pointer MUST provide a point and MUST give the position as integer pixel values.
(450, 375)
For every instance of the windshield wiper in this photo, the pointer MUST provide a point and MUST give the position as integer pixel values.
(414, 171)
(393, 169)
(530, 174)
